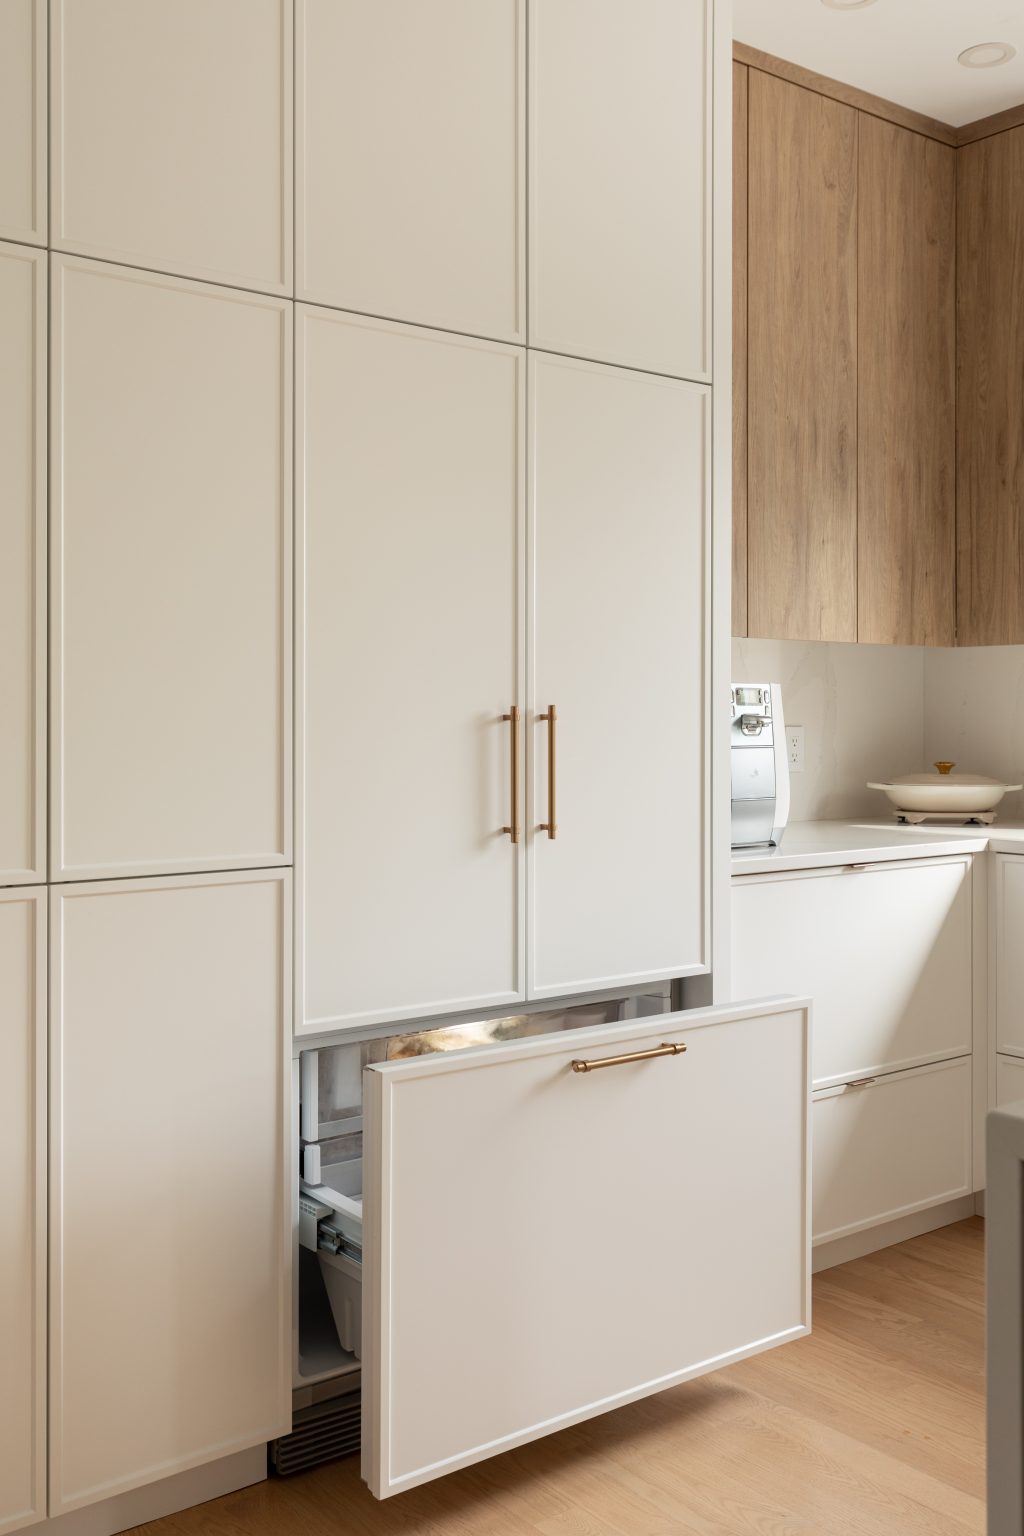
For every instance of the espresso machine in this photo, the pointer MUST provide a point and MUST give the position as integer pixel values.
(760, 765)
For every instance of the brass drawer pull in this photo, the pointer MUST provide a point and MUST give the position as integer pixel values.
(862, 1082)
(551, 825)
(618, 1061)
(513, 719)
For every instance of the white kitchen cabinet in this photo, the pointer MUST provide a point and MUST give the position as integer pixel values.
(619, 626)
(410, 161)
(1009, 1080)
(170, 1228)
(410, 511)
(22, 1208)
(889, 1146)
(23, 121)
(620, 181)
(885, 950)
(170, 575)
(544, 1244)
(172, 136)
(1008, 951)
(22, 562)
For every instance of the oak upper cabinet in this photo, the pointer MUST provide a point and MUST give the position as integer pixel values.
(906, 372)
(802, 335)
(990, 402)
(618, 593)
(410, 160)
(171, 575)
(23, 121)
(410, 510)
(22, 563)
(172, 136)
(620, 183)
(23, 1207)
(170, 1258)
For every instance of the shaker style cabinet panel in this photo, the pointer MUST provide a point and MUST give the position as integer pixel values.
(170, 575)
(410, 516)
(885, 951)
(906, 368)
(618, 592)
(22, 564)
(544, 1244)
(23, 121)
(410, 160)
(1007, 926)
(619, 182)
(990, 399)
(172, 136)
(802, 330)
(170, 1259)
(22, 1208)
(740, 90)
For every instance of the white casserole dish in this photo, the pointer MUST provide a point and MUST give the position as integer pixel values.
(944, 793)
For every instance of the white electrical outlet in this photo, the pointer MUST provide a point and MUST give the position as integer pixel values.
(795, 748)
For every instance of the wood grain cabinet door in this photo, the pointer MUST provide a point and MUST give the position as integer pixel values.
(906, 370)
(802, 330)
(544, 1244)
(172, 136)
(22, 1208)
(410, 161)
(618, 594)
(22, 564)
(170, 575)
(411, 559)
(170, 1232)
(23, 121)
(619, 182)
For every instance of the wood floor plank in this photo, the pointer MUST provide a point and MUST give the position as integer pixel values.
(872, 1426)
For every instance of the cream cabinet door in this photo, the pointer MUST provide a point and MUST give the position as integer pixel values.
(543, 1244)
(22, 1208)
(23, 121)
(170, 1252)
(22, 562)
(170, 575)
(410, 497)
(620, 179)
(885, 951)
(618, 584)
(1009, 1080)
(410, 160)
(172, 136)
(1007, 926)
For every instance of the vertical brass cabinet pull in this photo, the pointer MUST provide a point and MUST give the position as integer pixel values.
(513, 719)
(551, 825)
(620, 1061)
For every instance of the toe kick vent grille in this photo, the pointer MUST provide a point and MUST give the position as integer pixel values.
(321, 1433)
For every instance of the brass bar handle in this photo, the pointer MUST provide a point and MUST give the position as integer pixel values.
(551, 825)
(513, 719)
(618, 1061)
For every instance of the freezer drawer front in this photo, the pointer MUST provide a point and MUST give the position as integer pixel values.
(544, 1244)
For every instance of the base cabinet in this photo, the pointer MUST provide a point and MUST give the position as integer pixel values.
(22, 1208)
(543, 1244)
(169, 1258)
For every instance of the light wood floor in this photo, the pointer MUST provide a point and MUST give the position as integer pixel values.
(874, 1424)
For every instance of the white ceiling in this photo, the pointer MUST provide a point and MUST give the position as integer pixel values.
(905, 50)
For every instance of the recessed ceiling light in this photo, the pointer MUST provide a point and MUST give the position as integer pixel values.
(847, 5)
(987, 55)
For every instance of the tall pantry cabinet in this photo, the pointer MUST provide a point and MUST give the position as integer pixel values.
(388, 328)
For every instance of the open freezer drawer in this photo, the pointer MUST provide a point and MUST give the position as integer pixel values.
(543, 1244)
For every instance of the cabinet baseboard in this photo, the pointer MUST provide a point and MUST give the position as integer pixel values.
(843, 1249)
(167, 1497)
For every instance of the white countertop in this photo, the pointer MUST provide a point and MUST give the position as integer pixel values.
(817, 844)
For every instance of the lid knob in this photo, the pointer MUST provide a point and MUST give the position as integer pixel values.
(944, 767)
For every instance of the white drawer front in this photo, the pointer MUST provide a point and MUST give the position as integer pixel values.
(1009, 1080)
(892, 1147)
(542, 1245)
(885, 952)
